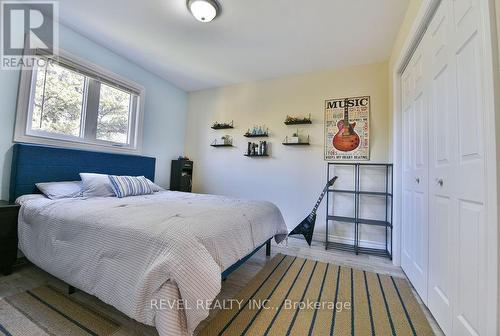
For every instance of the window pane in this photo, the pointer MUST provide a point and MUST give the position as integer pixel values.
(113, 114)
(58, 100)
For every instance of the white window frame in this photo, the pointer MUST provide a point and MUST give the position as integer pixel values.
(27, 84)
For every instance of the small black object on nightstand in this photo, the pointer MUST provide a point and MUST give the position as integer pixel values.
(8, 236)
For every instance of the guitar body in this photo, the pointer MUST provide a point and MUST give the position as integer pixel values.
(306, 228)
(346, 138)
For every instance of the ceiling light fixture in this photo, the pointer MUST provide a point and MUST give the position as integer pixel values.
(204, 10)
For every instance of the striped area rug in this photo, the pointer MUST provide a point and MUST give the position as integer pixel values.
(295, 296)
(46, 311)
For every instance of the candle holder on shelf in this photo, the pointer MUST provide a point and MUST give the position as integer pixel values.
(257, 131)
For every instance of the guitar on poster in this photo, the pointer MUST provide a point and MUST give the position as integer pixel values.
(347, 128)
(346, 139)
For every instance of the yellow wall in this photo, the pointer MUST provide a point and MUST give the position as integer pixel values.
(404, 30)
(292, 177)
(410, 16)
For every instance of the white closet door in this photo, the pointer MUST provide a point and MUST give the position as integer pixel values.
(457, 226)
(469, 309)
(414, 258)
(443, 150)
(444, 176)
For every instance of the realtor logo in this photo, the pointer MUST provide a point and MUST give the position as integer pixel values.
(27, 28)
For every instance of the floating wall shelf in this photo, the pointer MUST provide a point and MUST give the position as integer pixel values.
(304, 143)
(218, 126)
(256, 135)
(296, 144)
(221, 145)
(256, 155)
(300, 122)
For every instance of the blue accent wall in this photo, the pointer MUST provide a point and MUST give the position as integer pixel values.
(165, 106)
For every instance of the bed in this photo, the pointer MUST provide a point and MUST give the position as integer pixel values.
(145, 255)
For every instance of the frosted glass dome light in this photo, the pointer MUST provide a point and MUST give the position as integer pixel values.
(203, 10)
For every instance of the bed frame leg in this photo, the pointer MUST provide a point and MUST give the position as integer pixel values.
(268, 248)
(71, 290)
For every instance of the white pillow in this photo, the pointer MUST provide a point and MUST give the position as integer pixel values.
(58, 190)
(96, 185)
(155, 187)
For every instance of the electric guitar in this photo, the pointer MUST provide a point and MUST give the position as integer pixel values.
(306, 227)
(346, 138)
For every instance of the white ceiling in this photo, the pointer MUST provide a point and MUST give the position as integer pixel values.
(251, 40)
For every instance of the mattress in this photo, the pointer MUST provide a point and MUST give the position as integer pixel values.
(137, 251)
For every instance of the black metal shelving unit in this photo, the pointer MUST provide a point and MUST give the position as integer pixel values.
(385, 223)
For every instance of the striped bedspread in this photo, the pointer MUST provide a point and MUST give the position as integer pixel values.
(137, 251)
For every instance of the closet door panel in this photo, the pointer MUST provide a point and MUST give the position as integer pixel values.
(415, 175)
(440, 266)
(469, 309)
(420, 192)
(444, 176)
(443, 157)
(470, 120)
(442, 205)
(420, 256)
(407, 245)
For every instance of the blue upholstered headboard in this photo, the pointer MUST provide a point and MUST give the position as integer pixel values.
(33, 164)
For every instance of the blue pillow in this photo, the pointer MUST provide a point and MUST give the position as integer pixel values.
(124, 186)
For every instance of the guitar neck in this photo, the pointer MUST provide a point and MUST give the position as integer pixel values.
(325, 189)
(316, 206)
(346, 112)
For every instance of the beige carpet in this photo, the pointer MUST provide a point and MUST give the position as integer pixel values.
(296, 297)
(46, 311)
(335, 301)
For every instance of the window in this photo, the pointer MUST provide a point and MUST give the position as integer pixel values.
(58, 101)
(113, 114)
(74, 104)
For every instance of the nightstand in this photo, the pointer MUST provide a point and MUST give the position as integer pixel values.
(181, 175)
(8, 236)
